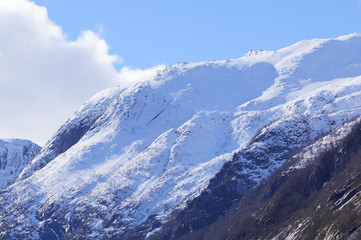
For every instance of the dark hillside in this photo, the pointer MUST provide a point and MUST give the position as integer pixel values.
(316, 202)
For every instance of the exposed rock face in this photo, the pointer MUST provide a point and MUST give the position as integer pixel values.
(15, 154)
(320, 200)
(168, 157)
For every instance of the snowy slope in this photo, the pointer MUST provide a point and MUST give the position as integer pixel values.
(133, 154)
(15, 154)
(72, 130)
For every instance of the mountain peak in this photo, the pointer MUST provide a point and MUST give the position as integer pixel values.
(197, 133)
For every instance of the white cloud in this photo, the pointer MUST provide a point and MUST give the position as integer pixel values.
(44, 77)
(128, 76)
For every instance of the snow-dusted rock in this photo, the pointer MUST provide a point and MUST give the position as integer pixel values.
(15, 154)
(134, 154)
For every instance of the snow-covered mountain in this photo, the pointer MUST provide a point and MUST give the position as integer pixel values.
(185, 145)
(15, 154)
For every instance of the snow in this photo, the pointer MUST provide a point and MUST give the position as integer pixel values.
(152, 147)
(311, 152)
(15, 154)
(150, 142)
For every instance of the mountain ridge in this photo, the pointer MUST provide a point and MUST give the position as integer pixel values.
(15, 155)
(131, 158)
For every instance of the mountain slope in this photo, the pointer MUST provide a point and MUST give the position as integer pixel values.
(169, 156)
(318, 201)
(15, 154)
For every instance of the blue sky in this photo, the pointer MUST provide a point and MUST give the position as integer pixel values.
(145, 33)
(50, 63)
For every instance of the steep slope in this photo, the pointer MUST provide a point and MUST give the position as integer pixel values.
(321, 200)
(141, 147)
(15, 154)
(73, 130)
(293, 119)
(169, 156)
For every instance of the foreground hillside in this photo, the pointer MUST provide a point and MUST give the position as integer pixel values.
(169, 157)
(320, 200)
